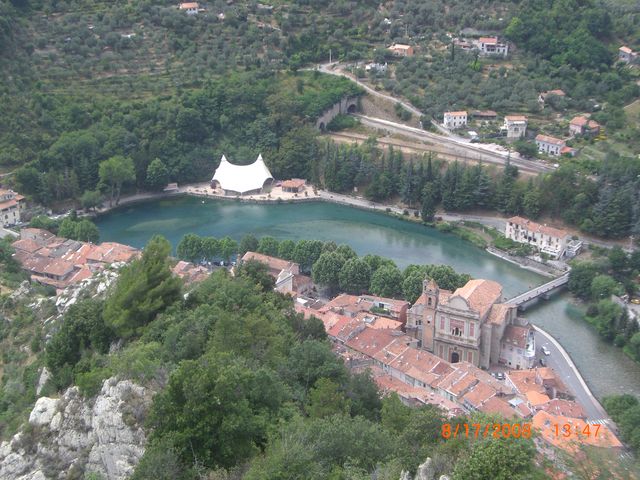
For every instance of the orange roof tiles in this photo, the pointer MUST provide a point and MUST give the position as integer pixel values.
(294, 183)
(516, 335)
(525, 381)
(536, 227)
(579, 121)
(499, 406)
(59, 268)
(489, 40)
(545, 423)
(565, 408)
(479, 394)
(499, 313)
(516, 118)
(26, 245)
(625, 49)
(549, 139)
(188, 5)
(536, 398)
(479, 294)
(457, 114)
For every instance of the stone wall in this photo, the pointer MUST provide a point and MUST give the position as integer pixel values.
(344, 106)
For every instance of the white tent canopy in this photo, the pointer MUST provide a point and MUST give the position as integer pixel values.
(242, 178)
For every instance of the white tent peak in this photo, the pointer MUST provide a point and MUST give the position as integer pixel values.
(242, 178)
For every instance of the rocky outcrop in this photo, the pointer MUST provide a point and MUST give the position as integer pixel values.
(425, 472)
(75, 435)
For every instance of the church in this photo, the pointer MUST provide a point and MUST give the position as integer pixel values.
(471, 325)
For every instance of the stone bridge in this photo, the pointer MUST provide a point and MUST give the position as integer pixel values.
(526, 299)
(344, 106)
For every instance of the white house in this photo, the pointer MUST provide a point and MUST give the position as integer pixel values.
(491, 46)
(515, 126)
(550, 145)
(402, 50)
(453, 120)
(549, 240)
(626, 55)
(191, 8)
(10, 207)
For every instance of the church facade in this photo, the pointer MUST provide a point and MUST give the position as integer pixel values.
(471, 325)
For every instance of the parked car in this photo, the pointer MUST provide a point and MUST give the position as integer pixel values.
(500, 376)
(545, 350)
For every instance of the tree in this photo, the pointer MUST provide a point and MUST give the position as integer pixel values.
(603, 286)
(157, 175)
(326, 399)
(258, 273)
(228, 248)
(90, 199)
(580, 278)
(286, 249)
(429, 202)
(83, 230)
(306, 253)
(115, 172)
(217, 410)
(386, 282)
(502, 459)
(412, 286)
(144, 288)
(355, 276)
(326, 270)
(268, 246)
(248, 243)
(210, 248)
(190, 248)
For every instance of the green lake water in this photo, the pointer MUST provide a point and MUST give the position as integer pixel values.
(605, 368)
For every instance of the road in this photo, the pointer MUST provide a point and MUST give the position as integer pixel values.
(480, 152)
(564, 367)
(457, 145)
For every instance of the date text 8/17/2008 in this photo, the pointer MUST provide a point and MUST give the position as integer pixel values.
(487, 430)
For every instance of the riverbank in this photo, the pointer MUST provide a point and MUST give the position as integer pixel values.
(310, 194)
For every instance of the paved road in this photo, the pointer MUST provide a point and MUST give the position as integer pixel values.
(564, 367)
(477, 151)
(460, 145)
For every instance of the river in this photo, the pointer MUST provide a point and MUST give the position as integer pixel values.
(605, 368)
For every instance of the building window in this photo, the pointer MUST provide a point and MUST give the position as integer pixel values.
(429, 301)
(441, 323)
(470, 357)
(471, 329)
(456, 332)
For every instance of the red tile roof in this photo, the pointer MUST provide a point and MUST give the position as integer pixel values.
(479, 294)
(516, 335)
(549, 139)
(536, 227)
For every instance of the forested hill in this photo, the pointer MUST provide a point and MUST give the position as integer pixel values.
(84, 81)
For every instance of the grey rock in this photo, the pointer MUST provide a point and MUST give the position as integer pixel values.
(103, 435)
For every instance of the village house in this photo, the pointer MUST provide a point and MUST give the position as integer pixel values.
(484, 115)
(190, 272)
(515, 126)
(491, 46)
(542, 98)
(628, 56)
(549, 240)
(288, 278)
(471, 325)
(550, 145)
(10, 207)
(191, 8)
(453, 120)
(582, 433)
(582, 125)
(60, 262)
(376, 67)
(351, 305)
(295, 185)
(419, 377)
(401, 50)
